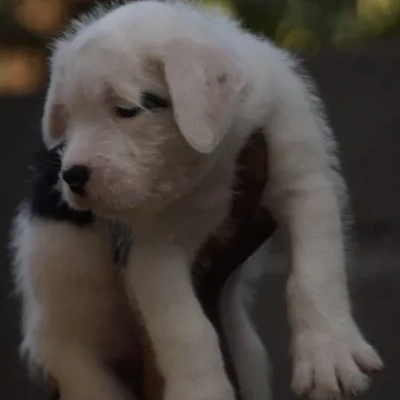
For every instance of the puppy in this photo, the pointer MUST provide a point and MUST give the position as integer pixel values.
(154, 101)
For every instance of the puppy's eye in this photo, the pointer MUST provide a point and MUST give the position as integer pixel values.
(151, 101)
(127, 112)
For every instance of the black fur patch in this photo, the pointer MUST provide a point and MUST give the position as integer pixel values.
(45, 199)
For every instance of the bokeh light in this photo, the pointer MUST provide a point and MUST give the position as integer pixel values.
(43, 17)
(302, 26)
(21, 71)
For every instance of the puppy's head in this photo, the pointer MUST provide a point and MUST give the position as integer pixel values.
(141, 97)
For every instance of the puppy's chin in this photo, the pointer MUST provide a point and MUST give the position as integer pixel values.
(75, 202)
(118, 207)
(110, 205)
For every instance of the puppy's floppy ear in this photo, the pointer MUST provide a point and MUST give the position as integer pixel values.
(54, 119)
(205, 86)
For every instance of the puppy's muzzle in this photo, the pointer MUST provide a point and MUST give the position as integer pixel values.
(76, 177)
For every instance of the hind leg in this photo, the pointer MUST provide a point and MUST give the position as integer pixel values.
(72, 305)
(81, 375)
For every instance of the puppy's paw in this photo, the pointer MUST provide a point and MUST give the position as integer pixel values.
(332, 365)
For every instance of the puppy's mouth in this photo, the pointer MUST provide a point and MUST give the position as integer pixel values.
(78, 202)
(106, 196)
(109, 207)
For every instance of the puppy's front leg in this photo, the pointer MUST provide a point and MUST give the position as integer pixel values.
(330, 354)
(184, 340)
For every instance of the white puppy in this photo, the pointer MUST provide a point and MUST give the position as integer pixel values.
(154, 101)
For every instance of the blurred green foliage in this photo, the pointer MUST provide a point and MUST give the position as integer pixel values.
(300, 25)
(308, 25)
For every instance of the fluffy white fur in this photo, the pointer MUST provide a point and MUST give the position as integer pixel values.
(76, 318)
(168, 174)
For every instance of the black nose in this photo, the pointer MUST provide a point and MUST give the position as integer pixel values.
(76, 177)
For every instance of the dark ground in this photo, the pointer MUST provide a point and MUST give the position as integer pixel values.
(362, 93)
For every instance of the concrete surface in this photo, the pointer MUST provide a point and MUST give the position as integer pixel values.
(362, 93)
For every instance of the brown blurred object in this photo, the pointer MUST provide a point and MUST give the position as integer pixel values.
(21, 71)
(43, 17)
(251, 227)
(26, 28)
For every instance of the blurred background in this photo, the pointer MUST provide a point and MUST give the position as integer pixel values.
(304, 26)
(352, 50)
